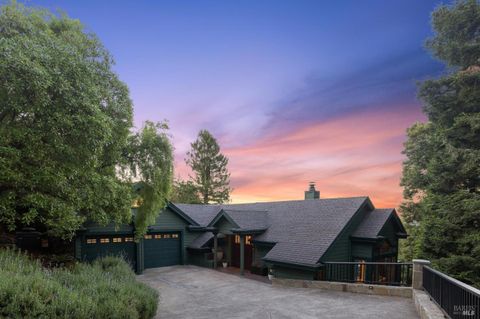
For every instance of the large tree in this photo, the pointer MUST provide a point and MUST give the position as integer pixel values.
(150, 165)
(64, 121)
(441, 174)
(185, 192)
(209, 165)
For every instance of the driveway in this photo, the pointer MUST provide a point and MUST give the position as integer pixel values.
(194, 292)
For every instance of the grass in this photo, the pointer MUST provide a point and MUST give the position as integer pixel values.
(105, 289)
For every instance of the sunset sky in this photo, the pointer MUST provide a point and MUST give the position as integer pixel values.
(295, 91)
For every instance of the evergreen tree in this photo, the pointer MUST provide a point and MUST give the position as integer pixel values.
(441, 175)
(211, 176)
(185, 192)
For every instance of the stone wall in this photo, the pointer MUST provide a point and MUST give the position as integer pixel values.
(381, 290)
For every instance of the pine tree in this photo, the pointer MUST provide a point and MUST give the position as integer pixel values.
(211, 176)
(441, 175)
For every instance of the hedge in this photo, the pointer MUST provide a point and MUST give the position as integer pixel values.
(105, 289)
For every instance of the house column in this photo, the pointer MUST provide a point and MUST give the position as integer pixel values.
(215, 249)
(242, 254)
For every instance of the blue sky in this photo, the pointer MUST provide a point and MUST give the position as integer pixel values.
(258, 72)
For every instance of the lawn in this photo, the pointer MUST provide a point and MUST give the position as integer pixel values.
(105, 289)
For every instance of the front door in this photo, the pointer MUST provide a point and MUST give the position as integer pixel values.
(236, 251)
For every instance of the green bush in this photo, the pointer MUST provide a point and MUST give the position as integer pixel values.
(105, 289)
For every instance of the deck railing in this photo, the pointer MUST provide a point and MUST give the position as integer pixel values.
(457, 299)
(378, 273)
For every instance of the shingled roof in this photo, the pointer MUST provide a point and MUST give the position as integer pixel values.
(373, 223)
(302, 230)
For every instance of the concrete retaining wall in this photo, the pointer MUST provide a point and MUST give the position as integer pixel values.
(405, 292)
(426, 308)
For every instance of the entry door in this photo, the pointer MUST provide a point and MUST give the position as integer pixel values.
(162, 249)
(236, 251)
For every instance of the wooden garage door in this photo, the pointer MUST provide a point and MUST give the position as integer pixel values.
(109, 245)
(162, 249)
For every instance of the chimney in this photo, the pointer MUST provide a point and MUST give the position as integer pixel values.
(312, 193)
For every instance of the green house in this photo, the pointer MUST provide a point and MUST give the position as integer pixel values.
(291, 238)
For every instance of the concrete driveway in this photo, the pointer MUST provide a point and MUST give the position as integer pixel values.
(194, 292)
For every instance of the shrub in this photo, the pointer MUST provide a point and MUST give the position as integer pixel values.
(105, 289)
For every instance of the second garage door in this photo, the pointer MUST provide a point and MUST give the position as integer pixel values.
(162, 249)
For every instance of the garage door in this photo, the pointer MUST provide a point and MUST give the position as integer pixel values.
(108, 245)
(162, 249)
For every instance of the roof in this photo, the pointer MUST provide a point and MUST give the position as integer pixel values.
(302, 229)
(201, 240)
(373, 223)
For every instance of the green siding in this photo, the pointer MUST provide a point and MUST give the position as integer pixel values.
(224, 226)
(341, 250)
(291, 273)
(362, 250)
(259, 252)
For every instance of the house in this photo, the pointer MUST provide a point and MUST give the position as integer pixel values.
(293, 238)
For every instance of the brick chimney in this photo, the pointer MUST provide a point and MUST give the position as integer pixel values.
(312, 193)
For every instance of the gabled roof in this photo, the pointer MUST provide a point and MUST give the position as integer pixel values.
(373, 223)
(302, 229)
(244, 219)
(201, 240)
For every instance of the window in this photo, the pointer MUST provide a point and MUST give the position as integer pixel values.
(104, 240)
(248, 240)
(91, 240)
(167, 236)
(158, 236)
(147, 236)
(174, 235)
(237, 239)
(117, 239)
(128, 239)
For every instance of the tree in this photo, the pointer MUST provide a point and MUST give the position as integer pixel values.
(185, 192)
(150, 162)
(211, 178)
(441, 175)
(64, 121)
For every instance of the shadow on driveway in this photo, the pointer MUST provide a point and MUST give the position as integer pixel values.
(194, 292)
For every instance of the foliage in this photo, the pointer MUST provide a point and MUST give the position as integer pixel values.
(441, 175)
(151, 162)
(105, 289)
(185, 192)
(212, 178)
(64, 121)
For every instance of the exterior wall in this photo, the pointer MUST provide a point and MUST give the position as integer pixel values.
(341, 249)
(389, 232)
(362, 250)
(259, 251)
(291, 273)
(224, 226)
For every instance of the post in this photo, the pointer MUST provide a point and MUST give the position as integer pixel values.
(215, 249)
(417, 274)
(242, 254)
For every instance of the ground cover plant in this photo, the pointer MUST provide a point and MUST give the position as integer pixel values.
(105, 289)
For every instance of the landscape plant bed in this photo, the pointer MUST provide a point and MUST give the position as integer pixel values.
(105, 289)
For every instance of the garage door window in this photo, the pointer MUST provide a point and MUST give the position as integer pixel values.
(91, 240)
(117, 239)
(104, 240)
(174, 235)
(147, 236)
(128, 239)
(167, 236)
(158, 236)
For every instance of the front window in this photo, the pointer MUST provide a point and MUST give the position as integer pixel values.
(248, 240)
(237, 239)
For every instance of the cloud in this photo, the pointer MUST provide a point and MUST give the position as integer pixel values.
(358, 154)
